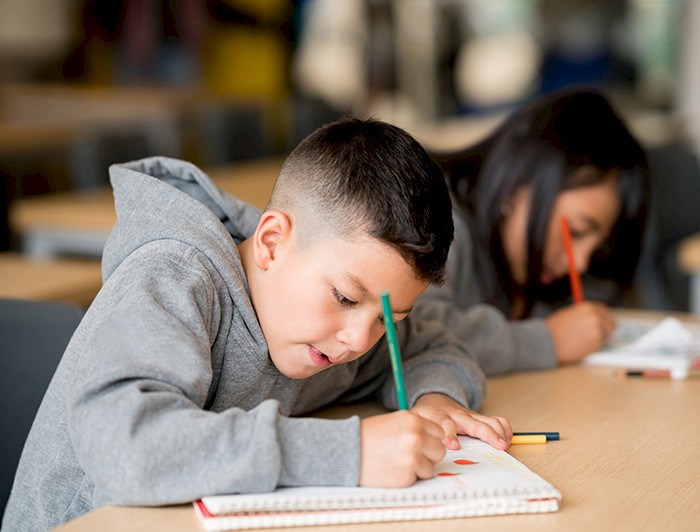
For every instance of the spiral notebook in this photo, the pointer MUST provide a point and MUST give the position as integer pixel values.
(477, 480)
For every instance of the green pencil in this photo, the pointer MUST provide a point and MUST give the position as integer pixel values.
(394, 352)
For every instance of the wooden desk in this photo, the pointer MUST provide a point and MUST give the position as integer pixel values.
(23, 139)
(82, 105)
(627, 460)
(66, 280)
(80, 221)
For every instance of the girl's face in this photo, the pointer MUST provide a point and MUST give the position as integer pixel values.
(591, 212)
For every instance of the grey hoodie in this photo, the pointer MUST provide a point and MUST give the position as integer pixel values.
(166, 392)
(500, 345)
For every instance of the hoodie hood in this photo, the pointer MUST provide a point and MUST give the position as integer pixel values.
(162, 198)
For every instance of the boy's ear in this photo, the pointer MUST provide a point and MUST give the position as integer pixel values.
(273, 230)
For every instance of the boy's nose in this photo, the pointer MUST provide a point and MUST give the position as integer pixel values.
(357, 336)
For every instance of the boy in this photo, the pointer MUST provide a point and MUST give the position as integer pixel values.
(216, 323)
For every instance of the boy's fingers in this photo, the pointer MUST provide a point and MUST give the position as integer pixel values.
(436, 432)
(448, 430)
(503, 429)
(433, 428)
(497, 435)
(432, 447)
(434, 451)
(449, 433)
(425, 469)
(500, 425)
(487, 434)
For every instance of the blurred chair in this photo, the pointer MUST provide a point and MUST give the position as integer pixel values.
(226, 132)
(34, 335)
(98, 147)
(674, 172)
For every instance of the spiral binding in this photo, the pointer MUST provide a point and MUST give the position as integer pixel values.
(480, 506)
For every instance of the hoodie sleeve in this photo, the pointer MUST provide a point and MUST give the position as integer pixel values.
(435, 361)
(137, 403)
(499, 345)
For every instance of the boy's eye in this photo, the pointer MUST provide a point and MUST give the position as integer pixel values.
(344, 301)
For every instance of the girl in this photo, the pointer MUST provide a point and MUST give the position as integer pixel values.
(507, 291)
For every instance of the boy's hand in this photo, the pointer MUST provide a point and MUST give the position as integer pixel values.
(579, 330)
(398, 448)
(455, 419)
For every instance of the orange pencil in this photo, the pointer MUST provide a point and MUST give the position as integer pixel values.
(574, 278)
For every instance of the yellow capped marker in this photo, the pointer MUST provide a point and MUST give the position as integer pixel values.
(528, 438)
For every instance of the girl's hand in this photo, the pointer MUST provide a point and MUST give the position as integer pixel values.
(579, 330)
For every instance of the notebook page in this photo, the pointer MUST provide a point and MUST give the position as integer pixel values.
(477, 470)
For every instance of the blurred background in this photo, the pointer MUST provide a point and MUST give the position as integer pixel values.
(86, 83)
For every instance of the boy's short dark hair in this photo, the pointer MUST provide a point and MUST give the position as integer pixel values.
(369, 176)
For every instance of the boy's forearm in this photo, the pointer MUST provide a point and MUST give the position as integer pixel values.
(319, 452)
(448, 377)
(191, 453)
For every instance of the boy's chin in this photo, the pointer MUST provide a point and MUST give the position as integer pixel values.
(299, 374)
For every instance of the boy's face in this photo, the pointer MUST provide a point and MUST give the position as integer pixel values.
(320, 304)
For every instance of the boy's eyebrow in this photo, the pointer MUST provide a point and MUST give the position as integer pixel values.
(365, 293)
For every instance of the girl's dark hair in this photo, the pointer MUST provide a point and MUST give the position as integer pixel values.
(542, 145)
(372, 176)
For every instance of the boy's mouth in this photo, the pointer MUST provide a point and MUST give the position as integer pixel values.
(319, 359)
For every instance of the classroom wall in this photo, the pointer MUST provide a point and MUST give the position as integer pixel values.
(235, 79)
